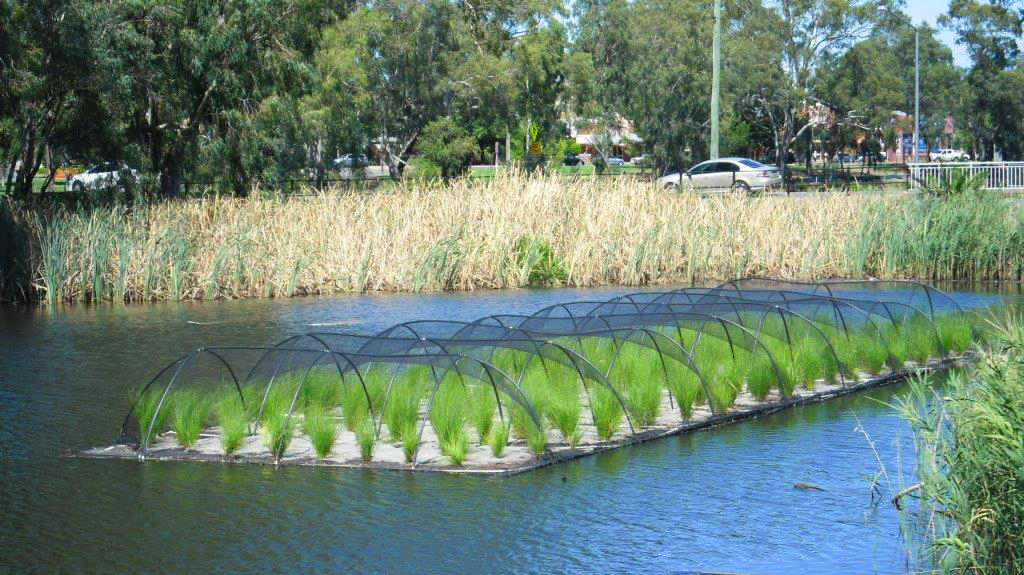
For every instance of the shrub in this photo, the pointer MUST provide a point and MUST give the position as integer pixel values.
(190, 411)
(233, 421)
(448, 146)
(321, 429)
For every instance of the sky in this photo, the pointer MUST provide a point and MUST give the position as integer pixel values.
(929, 11)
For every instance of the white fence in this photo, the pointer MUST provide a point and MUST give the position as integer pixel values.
(998, 175)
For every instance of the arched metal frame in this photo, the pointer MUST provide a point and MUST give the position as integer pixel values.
(736, 313)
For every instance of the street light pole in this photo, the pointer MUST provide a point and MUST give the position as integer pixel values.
(716, 64)
(917, 90)
(917, 77)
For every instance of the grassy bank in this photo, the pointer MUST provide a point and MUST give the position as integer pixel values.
(501, 232)
(969, 499)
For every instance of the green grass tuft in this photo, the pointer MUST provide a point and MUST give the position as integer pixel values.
(498, 440)
(482, 404)
(321, 429)
(403, 407)
(685, 387)
(565, 409)
(233, 421)
(355, 408)
(144, 407)
(190, 410)
(456, 447)
(366, 437)
(278, 431)
(410, 436)
(606, 412)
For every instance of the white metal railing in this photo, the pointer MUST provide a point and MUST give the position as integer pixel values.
(998, 175)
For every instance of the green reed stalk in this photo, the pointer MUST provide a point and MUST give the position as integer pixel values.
(190, 410)
(233, 421)
(321, 429)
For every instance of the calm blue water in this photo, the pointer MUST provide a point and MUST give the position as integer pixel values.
(721, 500)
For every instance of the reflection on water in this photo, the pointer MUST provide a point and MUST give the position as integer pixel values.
(720, 500)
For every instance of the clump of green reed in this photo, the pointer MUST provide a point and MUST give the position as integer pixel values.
(498, 440)
(807, 363)
(606, 412)
(409, 434)
(448, 414)
(564, 409)
(969, 464)
(482, 403)
(537, 393)
(278, 426)
(456, 447)
(321, 429)
(190, 410)
(403, 406)
(377, 380)
(536, 439)
(145, 410)
(921, 343)
(761, 376)
(355, 408)
(725, 381)
(322, 388)
(685, 387)
(366, 437)
(869, 352)
(639, 371)
(233, 420)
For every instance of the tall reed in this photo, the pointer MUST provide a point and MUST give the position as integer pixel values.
(403, 240)
(190, 410)
(970, 507)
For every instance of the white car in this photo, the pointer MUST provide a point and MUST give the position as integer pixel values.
(101, 176)
(740, 174)
(949, 155)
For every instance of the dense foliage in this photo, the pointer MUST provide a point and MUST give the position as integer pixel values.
(229, 93)
(971, 460)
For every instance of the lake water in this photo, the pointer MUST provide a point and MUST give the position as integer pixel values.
(721, 500)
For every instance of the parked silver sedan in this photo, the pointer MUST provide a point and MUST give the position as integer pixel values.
(739, 174)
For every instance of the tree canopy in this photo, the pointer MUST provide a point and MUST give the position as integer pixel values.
(234, 92)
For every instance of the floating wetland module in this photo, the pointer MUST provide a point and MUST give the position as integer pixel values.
(508, 393)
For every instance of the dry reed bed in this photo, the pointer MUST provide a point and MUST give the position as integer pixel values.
(507, 232)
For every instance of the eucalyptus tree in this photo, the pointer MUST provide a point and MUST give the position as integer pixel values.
(991, 32)
(787, 42)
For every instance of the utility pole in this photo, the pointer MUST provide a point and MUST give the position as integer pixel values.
(716, 65)
(917, 90)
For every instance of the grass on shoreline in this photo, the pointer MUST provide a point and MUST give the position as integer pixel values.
(468, 234)
(969, 502)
